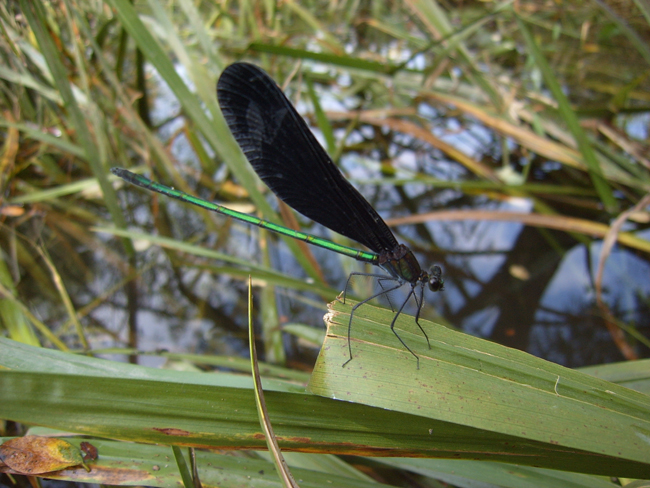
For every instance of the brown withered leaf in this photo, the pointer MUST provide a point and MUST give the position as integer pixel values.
(36, 455)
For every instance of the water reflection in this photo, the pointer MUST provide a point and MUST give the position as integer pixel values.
(521, 286)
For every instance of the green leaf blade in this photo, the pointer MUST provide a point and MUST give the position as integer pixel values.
(468, 381)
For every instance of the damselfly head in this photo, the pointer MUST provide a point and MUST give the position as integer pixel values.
(436, 283)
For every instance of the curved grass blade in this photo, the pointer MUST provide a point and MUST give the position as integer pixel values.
(271, 441)
(469, 381)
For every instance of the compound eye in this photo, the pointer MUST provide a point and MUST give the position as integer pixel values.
(436, 283)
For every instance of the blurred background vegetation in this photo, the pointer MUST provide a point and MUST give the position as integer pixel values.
(506, 142)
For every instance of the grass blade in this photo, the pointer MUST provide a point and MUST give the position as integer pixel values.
(468, 381)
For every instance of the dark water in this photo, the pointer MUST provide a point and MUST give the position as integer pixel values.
(524, 287)
(521, 286)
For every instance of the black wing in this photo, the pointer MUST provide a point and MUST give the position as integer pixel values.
(289, 159)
